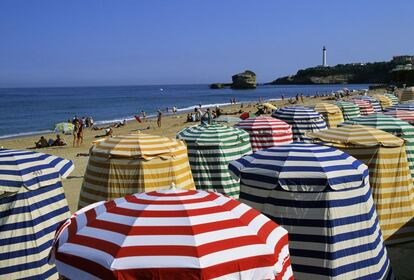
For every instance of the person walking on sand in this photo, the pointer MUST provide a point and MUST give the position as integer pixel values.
(159, 116)
(143, 115)
(301, 97)
(75, 132)
(80, 134)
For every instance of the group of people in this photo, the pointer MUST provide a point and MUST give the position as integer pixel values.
(204, 117)
(43, 143)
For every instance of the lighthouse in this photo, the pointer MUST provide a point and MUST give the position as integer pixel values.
(324, 57)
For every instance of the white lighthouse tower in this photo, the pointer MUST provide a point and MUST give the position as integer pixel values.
(324, 57)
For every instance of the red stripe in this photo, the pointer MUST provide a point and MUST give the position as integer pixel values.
(169, 213)
(173, 194)
(85, 265)
(134, 199)
(267, 229)
(165, 230)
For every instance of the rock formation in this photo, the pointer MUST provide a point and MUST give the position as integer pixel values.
(245, 80)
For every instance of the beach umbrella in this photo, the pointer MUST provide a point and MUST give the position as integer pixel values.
(391, 125)
(331, 113)
(349, 110)
(389, 173)
(127, 164)
(404, 115)
(247, 115)
(32, 205)
(321, 195)
(172, 234)
(63, 127)
(266, 132)
(226, 119)
(393, 98)
(364, 106)
(302, 119)
(384, 101)
(210, 149)
(371, 100)
(402, 106)
(269, 106)
(407, 94)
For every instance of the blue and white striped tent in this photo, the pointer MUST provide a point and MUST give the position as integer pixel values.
(322, 196)
(374, 102)
(402, 106)
(32, 205)
(302, 119)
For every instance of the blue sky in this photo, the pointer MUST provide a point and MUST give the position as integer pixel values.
(76, 43)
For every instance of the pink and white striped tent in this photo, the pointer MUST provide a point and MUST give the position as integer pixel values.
(266, 132)
(404, 115)
(364, 106)
(171, 234)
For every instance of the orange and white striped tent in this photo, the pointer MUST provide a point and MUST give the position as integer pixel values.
(384, 101)
(331, 113)
(407, 94)
(123, 165)
(390, 177)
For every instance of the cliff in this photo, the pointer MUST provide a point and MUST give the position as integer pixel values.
(244, 80)
(355, 73)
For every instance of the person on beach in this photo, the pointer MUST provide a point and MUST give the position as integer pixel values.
(42, 143)
(174, 109)
(206, 118)
(301, 97)
(58, 141)
(143, 116)
(80, 134)
(75, 132)
(159, 116)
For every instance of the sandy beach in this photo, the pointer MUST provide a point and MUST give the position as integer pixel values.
(401, 255)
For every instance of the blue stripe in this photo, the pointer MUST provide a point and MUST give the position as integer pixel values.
(30, 237)
(26, 251)
(27, 266)
(29, 194)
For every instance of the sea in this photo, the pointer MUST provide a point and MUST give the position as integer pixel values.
(29, 111)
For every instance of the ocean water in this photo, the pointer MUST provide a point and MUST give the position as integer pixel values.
(25, 111)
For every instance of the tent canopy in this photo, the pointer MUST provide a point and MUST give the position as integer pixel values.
(332, 113)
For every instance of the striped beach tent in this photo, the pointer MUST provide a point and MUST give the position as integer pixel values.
(266, 132)
(393, 98)
(364, 106)
(407, 94)
(172, 235)
(321, 195)
(32, 205)
(132, 163)
(394, 126)
(349, 110)
(402, 106)
(331, 113)
(404, 115)
(384, 101)
(390, 177)
(302, 119)
(210, 149)
(371, 100)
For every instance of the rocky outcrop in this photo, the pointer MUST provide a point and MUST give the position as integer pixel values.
(245, 80)
(219, 85)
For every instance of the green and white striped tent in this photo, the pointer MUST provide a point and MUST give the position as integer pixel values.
(391, 125)
(210, 149)
(393, 98)
(349, 110)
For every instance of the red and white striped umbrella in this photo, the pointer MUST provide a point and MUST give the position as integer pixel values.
(364, 106)
(403, 115)
(173, 234)
(266, 132)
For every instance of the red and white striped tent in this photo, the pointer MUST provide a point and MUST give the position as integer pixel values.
(364, 106)
(404, 115)
(171, 234)
(266, 132)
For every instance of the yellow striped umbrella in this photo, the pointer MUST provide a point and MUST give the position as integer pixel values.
(390, 176)
(332, 114)
(407, 94)
(385, 101)
(124, 165)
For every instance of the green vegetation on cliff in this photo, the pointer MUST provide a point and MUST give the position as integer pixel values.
(355, 73)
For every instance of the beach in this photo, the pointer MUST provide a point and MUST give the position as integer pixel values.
(400, 255)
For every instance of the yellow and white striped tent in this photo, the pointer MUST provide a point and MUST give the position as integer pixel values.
(407, 94)
(390, 177)
(124, 165)
(331, 113)
(384, 101)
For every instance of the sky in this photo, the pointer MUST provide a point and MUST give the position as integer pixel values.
(130, 42)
